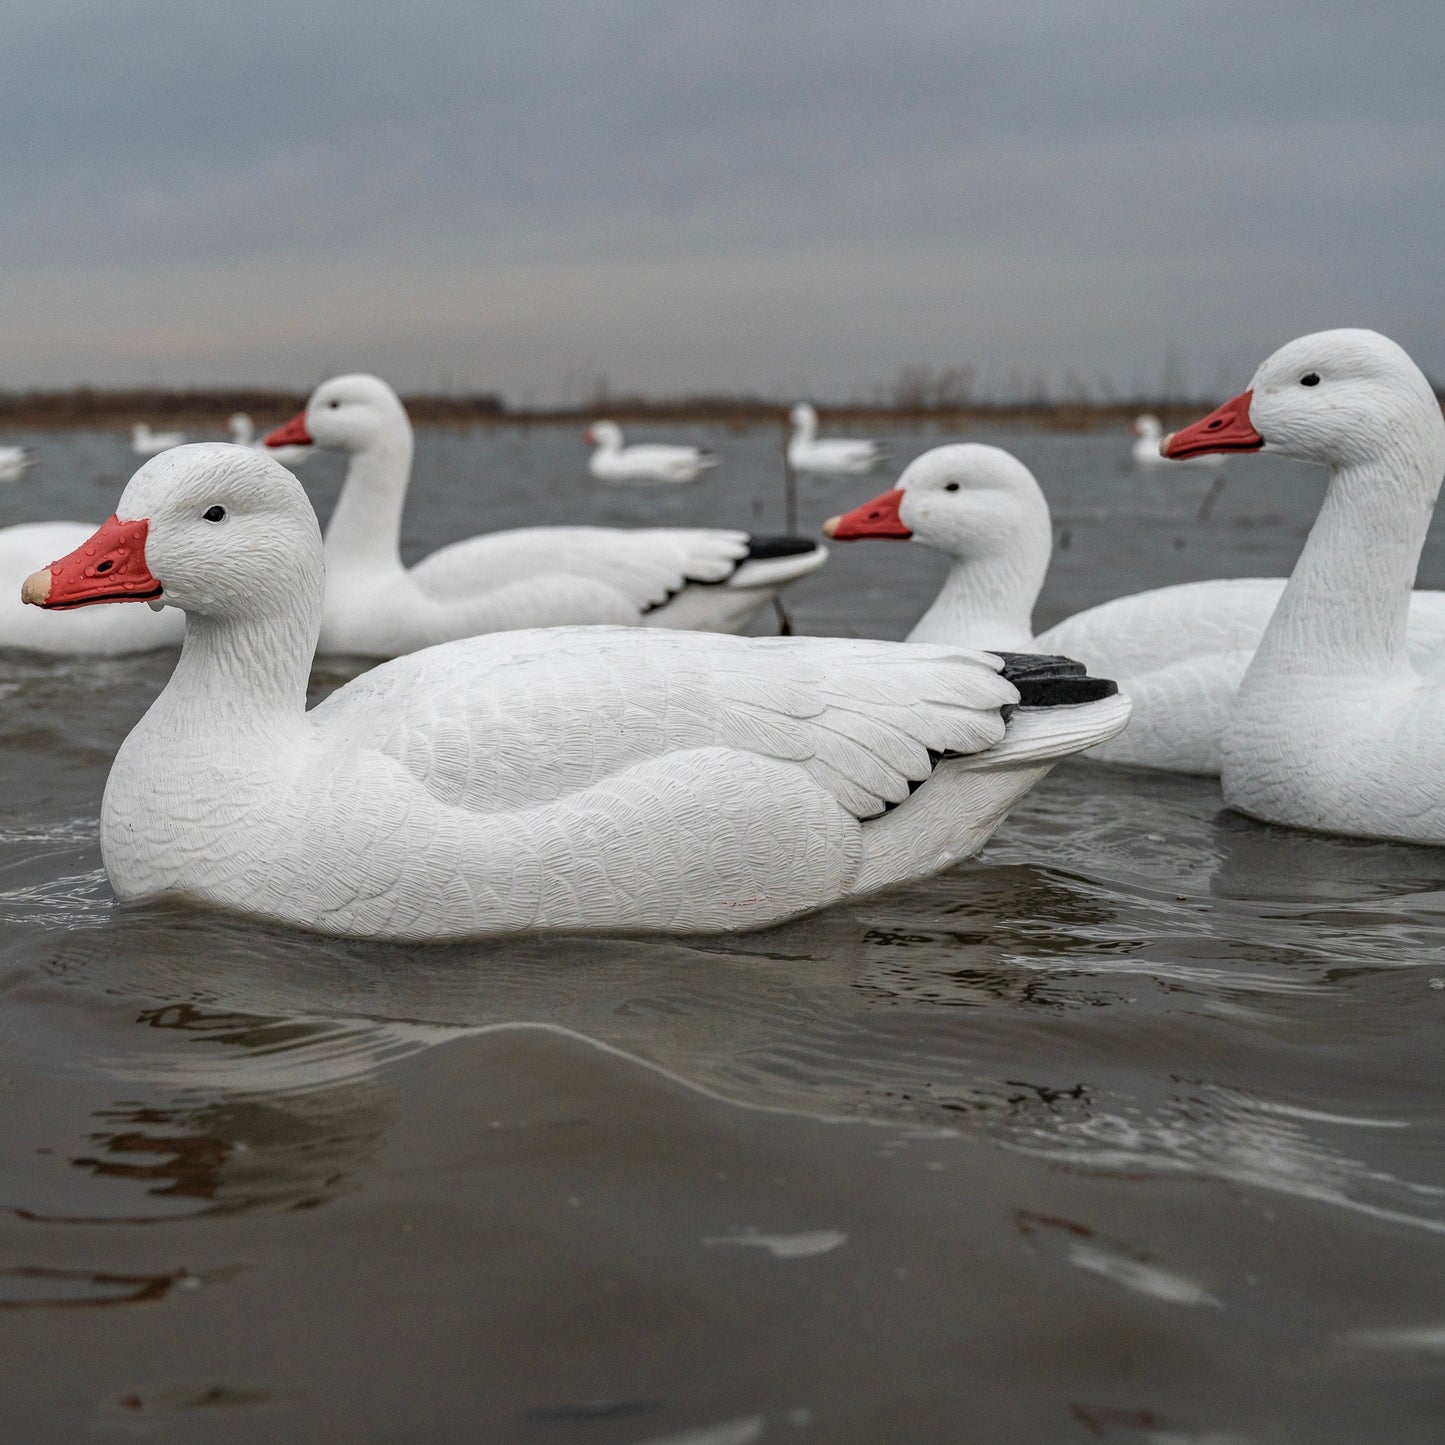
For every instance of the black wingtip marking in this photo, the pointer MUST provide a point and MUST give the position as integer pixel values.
(761, 548)
(1047, 681)
(1042, 681)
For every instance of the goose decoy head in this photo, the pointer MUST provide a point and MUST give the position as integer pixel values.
(210, 528)
(346, 414)
(1332, 397)
(966, 499)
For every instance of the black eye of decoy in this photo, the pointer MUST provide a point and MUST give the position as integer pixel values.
(214, 514)
(333, 404)
(951, 487)
(1310, 378)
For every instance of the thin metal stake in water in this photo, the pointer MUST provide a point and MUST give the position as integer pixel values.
(790, 494)
(1210, 498)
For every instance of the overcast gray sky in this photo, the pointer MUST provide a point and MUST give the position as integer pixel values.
(712, 194)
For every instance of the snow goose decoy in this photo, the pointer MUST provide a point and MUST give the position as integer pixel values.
(572, 778)
(829, 456)
(645, 462)
(1178, 652)
(147, 443)
(1148, 433)
(529, 577)
(1332, 728)
(15, 462)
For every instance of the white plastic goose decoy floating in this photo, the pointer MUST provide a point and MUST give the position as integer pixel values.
(529, 577)
(146, 443)
(1148, 433)
(14, 463)
(645, 462)
(1178, 652)
(1333, 729)
(573, 778)
(828, 456)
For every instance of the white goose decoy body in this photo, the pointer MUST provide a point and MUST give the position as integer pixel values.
(573, 778)
(529, 577)
(1332, 728)
(643, 462)
(15, 462)
(1178, 652)
(146, 443)
(828, 456)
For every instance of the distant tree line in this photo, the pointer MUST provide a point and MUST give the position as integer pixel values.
(102, 406)
(944, 397)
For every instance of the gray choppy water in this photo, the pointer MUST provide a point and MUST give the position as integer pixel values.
(1132, 1129)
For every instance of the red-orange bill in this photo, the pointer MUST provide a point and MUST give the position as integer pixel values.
(110, 567)
(1226, 429)
(878, 518)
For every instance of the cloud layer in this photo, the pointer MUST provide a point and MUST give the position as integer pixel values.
(734, 195)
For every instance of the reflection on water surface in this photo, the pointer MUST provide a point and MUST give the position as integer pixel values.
(1130, 1130)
